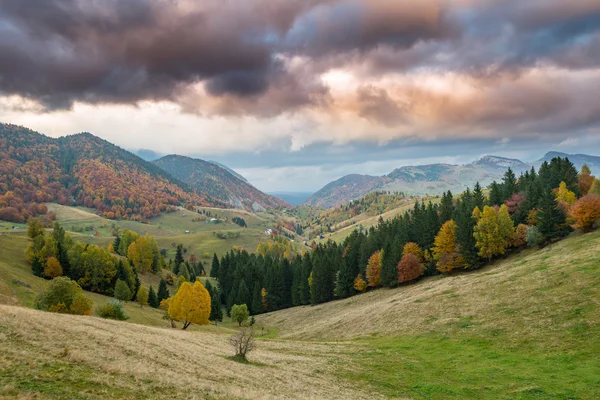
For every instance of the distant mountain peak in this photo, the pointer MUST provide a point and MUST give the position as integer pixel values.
(500, 162)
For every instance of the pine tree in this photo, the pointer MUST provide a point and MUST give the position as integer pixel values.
(495, 195)
(152, 298)
(243, 294)
(257, 305)
(509, 185)
(216, 308)
(163, 291)
(478, 197)
(446, 207)
(389, 262)
(344, 283)
(214, 269)
(550, 216)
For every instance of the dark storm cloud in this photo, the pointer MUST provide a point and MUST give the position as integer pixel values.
(61, 51)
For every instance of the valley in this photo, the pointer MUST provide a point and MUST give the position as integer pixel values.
(521, 325)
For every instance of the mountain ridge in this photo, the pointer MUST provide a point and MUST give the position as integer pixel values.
(434, 179)
(218, 182)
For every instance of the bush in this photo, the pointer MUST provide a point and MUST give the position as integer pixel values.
(242, 342)
(534, 236)
(64, 295)
(112, 310)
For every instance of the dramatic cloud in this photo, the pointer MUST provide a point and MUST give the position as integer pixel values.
(261, 75)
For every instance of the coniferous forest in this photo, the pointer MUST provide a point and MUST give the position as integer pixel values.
(461, 232)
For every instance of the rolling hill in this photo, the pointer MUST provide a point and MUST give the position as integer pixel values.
(218, 182)
(520, 328)
(83, 169)
(433, 179)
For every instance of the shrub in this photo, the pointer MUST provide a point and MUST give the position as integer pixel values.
(65, 296)
(82, 305)
(534, 236)
(112, 310)
(243, 342)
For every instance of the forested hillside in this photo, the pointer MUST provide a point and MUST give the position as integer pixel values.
(459, 233)
(218, 182)
(84, 170)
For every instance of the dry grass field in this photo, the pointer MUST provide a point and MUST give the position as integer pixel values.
(522, 328)
(48, 355)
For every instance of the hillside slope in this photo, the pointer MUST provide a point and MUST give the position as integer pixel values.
(544, 293)
(86, 357)
(218, 182)
(84, 170)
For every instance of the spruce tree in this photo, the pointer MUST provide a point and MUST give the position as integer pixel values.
(550, 216)
(116, 244)
(446, 207)
(478, 197)
(152, 298)
(495, 195)
(216, 308)
(138, 284)
(509, 185)
(257, 305)
(36, 266)
(243, 294)
(214, 269)
(389, 261)
(178, 259)
(163, 291)
(344, 284)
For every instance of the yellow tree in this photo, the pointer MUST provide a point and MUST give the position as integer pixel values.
(359, 283)
(191, 305)
(565, 195)
(374, 269)
(414, 249)
(494, 232)
(53, 268)
(445, 250)
(506, 227)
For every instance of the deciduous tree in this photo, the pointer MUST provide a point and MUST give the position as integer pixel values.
(409, 268)
(374, 269)
(586, 212)
(239, 313)
(191, 305)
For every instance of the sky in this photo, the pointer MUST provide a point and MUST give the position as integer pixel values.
(296, 93)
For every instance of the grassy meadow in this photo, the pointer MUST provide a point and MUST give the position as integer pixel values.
(525, 327)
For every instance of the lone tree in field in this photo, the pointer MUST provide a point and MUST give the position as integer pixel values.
(243, 342)
(191, 305)
(239, 313)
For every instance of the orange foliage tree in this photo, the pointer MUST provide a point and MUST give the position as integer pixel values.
(374, 269)
(409, 268)
(586, 212)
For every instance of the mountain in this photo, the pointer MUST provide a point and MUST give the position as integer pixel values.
(148, 155)
(346, 188)
(229, 170)
(417, 180)
(84, 170)
(577, 159)
(294, 198)
(218, 182)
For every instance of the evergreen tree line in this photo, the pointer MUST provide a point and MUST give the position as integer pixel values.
(436, 237)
